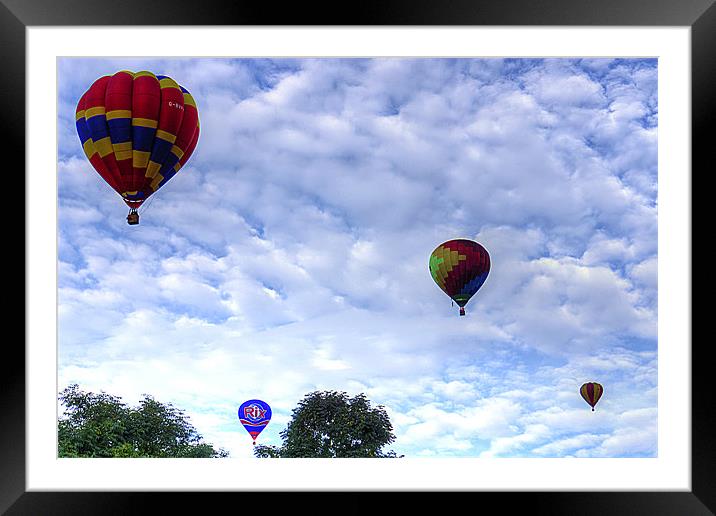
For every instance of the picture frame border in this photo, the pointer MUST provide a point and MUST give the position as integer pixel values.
(17, 15)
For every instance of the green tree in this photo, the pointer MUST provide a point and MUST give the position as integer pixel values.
(101, 425)
(331, 424)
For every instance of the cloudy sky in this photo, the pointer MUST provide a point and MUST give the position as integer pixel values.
(291, 253)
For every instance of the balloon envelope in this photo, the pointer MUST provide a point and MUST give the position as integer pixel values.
(254, 415)
(137, 130)
(460, 267)
(591, 392)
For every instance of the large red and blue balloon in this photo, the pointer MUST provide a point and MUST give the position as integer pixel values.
(137, 130)
(460, 267)
(254, 415)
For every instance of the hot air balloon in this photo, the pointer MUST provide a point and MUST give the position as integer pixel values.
(591, 392)
(137, 130)
(460, 267)
(254, 415)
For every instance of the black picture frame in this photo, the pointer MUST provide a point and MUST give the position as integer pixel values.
(17, 15)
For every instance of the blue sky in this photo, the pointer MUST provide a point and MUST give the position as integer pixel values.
(290, 254)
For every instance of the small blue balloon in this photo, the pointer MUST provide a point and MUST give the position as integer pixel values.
(254, 415)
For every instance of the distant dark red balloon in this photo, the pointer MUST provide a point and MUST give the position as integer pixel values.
(591, 392)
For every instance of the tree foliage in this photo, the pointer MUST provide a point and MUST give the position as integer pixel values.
(331, 424)
(101, 425)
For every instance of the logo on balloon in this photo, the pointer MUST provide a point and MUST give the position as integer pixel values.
(254, 412)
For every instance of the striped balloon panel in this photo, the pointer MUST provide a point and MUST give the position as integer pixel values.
(89, 147)
(460, 267)
(591, 392)
(254, 429)
(136, 127)
(96, 119)
(118, 105)
(184, 145)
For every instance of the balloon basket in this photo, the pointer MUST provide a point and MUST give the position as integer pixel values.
(462, 311)
(133, 217)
